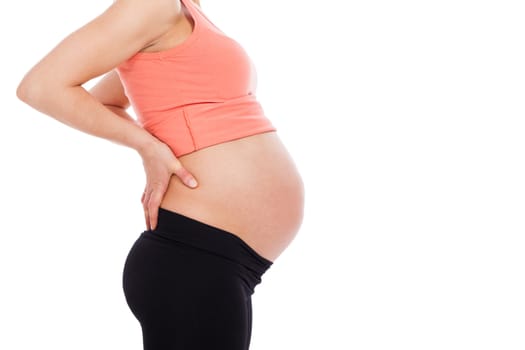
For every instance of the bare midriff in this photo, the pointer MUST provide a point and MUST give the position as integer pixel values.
(249, 187)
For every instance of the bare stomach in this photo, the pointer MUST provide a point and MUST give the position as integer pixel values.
(249, 187)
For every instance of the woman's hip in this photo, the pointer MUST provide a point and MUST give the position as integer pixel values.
(190, 285)
(185, 253)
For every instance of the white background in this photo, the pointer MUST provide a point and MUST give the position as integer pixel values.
(406, 119)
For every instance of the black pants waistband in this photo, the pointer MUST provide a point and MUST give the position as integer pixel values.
(186, 230)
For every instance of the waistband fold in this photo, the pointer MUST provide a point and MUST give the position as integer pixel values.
(183, 229)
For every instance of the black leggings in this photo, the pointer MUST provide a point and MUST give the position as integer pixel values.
(189, 285)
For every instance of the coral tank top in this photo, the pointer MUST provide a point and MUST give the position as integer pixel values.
(198, 93)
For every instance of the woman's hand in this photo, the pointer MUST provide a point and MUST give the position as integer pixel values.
(159, 164)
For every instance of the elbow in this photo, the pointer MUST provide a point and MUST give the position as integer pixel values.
(22, 91)
(35, 91)
(28, 90)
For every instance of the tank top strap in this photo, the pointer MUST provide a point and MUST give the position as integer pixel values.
(198, 15)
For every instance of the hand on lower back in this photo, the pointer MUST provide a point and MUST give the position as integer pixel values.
(160, 164)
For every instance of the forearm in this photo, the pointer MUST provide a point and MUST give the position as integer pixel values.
(77, 108)
(121, 112)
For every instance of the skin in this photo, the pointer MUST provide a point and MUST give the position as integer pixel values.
(249, 187)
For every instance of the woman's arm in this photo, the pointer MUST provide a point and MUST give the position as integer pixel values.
(54, 85)
(110, 92)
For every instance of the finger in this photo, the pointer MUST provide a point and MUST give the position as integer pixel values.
(153, 207)
(146, 217)
(187, 178)
(146, 198)
(153, 217)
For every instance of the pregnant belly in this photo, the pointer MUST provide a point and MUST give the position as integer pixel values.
(249, 187)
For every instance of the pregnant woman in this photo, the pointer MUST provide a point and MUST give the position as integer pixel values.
(223, 197)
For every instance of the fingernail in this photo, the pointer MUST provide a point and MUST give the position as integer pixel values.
(192, 183)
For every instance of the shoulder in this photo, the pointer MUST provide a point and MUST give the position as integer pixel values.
(165, 9)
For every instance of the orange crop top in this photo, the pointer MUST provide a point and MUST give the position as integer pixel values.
(197, 94)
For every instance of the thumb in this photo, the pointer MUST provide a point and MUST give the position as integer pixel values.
(186, 177)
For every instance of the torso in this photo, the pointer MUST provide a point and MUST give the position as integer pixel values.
(249, 187)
